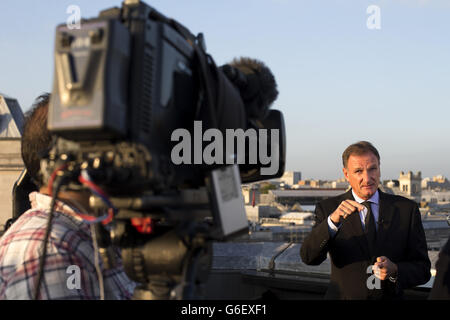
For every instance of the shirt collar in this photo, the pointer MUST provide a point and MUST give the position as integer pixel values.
(41, 201)
(374, 199)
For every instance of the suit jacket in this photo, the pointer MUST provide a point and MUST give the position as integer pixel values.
(400, 237)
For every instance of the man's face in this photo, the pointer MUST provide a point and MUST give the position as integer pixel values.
(363, 174)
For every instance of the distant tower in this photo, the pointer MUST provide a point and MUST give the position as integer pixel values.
(411, 185)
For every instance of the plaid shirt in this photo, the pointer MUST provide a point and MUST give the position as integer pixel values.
(69, 271)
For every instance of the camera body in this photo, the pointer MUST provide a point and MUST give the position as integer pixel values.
(131, 76)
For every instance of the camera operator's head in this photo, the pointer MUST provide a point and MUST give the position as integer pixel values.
(36, 138)
(36, 143)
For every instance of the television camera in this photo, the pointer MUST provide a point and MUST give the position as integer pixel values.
(123, 83)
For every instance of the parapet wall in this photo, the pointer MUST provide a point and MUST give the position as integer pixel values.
(275, 269)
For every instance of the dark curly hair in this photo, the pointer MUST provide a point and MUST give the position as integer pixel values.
(36, 138)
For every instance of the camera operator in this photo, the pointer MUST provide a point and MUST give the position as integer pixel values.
(72, 269)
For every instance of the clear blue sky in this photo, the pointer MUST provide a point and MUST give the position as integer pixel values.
(339, 82)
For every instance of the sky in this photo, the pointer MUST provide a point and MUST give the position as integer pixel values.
(339, 81)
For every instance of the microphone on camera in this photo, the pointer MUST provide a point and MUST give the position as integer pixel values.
(256, 83)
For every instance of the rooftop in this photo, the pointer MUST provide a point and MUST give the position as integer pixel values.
(319, 192)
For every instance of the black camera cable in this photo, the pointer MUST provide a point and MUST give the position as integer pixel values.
(43, 255)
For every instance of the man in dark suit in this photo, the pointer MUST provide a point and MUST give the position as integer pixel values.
(375, 240)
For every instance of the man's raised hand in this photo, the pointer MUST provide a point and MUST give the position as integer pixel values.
(346, 208)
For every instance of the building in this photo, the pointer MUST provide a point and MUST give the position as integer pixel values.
(256, 213)
(297, 218)
(339, 184)
(410, 185)
(11, 164)
(11, 118)
(291, 177)
(317, 183)
(436, 196)
(303, 196)
(440, 179)
(392, 184)
(438, 182)
(304, 183)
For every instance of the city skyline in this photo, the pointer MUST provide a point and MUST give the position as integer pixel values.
(339, 81)
(383, 178)
(306, 177)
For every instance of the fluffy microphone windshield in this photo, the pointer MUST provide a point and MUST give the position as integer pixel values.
(259, 90)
